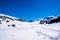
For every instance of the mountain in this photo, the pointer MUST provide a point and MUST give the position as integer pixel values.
(13, 28)
(50, 20)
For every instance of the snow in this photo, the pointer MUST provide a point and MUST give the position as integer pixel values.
(29, 31)
(8, 16)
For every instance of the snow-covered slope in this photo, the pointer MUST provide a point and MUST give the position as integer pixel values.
(12, 28)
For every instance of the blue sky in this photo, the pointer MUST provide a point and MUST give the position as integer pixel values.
(30, 9)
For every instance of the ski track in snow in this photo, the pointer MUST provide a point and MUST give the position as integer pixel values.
(29, 31)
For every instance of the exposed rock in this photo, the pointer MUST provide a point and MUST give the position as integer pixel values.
(13, 25)
(7, 21)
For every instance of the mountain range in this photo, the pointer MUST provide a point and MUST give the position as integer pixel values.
(13, 28)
